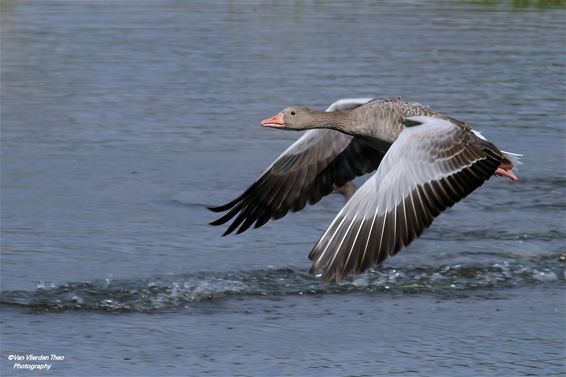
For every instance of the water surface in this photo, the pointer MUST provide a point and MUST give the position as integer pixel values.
(121, 121)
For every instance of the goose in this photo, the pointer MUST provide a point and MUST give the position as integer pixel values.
(426, 161)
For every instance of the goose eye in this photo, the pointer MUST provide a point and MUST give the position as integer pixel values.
(292, 113)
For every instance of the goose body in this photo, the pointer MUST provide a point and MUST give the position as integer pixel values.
(426, 161)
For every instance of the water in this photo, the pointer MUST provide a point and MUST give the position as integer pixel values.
(121, 121)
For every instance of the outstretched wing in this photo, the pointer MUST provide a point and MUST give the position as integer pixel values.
(308, 170)
(432, 165)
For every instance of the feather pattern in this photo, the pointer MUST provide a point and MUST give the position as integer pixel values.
(427, 169)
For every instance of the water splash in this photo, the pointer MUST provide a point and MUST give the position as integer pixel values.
(182, 291)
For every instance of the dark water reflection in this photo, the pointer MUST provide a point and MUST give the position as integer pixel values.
(122, 120)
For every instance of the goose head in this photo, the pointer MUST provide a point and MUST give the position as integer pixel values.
(291, 118)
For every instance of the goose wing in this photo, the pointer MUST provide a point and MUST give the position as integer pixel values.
(309, 169)
(432, 165)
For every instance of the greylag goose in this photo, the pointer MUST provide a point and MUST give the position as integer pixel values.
(426, 161)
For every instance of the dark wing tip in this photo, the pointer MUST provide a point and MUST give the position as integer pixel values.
(224, 219)
(217, 222)
(224, 207)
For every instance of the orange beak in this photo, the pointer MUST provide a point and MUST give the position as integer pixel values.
(274, 122)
